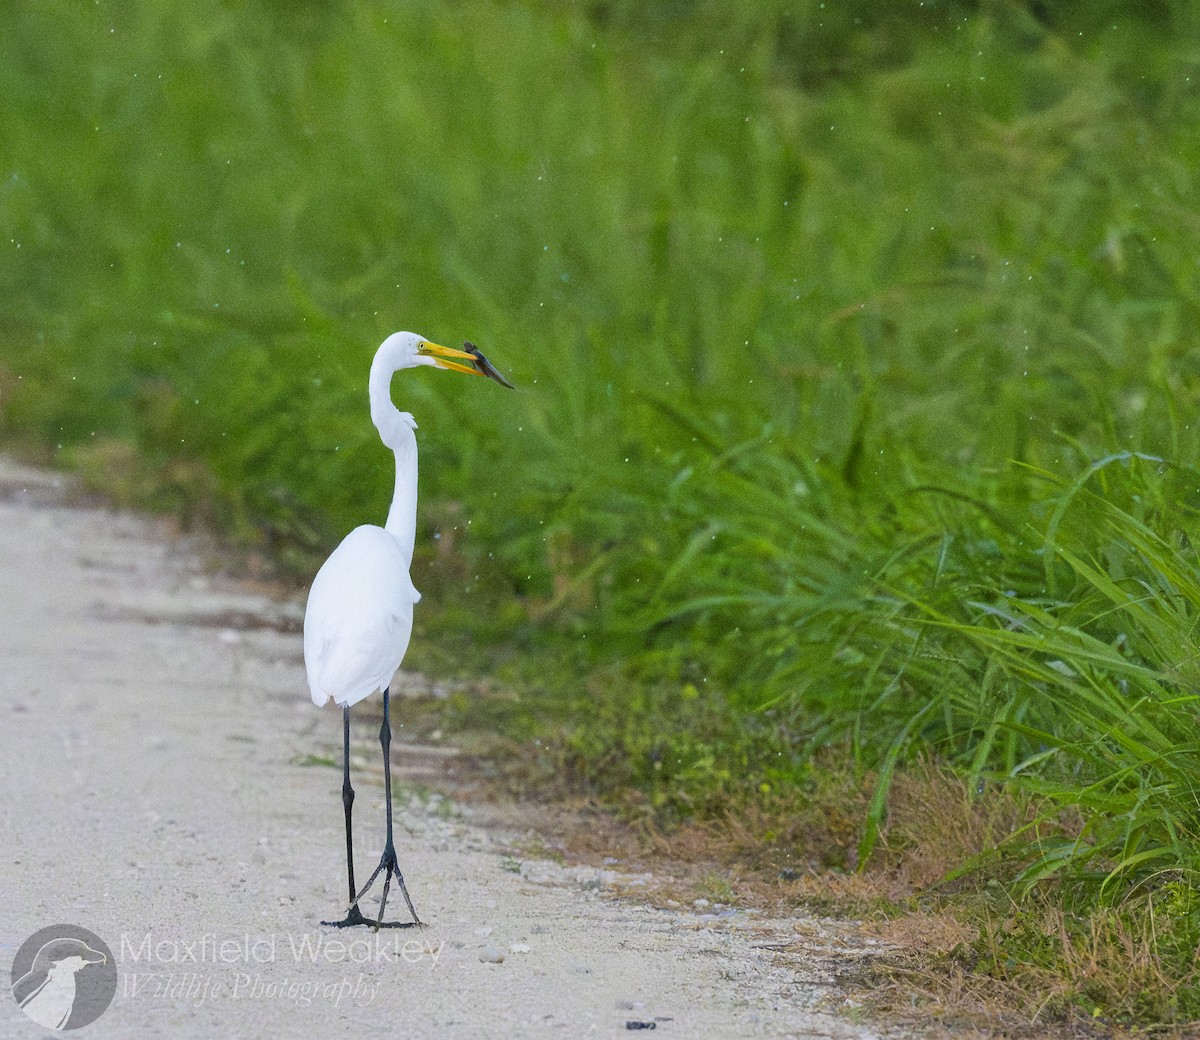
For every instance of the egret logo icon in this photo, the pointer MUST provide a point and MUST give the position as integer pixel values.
(64, 977)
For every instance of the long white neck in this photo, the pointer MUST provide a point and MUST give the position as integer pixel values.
(402, 516)
(397, 431)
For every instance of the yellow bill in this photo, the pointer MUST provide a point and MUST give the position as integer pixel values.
(440, 354)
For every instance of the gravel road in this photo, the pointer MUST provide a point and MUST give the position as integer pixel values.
(154, 733)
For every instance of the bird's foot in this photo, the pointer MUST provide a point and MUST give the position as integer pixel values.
(388, 866)
(352, 918)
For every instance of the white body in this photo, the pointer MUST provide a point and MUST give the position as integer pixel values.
(359, 617)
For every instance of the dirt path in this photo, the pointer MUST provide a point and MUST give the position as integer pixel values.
(154, 728)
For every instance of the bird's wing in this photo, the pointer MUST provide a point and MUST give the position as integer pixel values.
(359, 618)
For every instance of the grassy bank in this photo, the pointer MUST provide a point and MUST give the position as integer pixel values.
(856, 349)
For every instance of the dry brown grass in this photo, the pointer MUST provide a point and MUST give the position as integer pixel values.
(945, 969)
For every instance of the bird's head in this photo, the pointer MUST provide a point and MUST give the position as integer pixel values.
(407, 350)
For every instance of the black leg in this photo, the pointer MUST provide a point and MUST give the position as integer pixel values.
(348, 798)
(389, 849)
(385, 744)
(388, 864)
(354, 916)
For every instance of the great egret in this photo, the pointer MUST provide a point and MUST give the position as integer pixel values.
(360, 608)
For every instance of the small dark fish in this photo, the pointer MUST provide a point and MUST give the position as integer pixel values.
(485, 366)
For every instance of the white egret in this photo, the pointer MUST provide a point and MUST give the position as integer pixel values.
(360, 608)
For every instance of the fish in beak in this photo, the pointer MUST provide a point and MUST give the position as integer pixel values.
(482, 366)
(485, 367)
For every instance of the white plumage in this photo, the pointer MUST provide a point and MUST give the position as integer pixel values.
(360, 608)
(359, 618)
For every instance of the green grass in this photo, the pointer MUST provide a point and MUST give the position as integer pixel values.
(856, 351)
